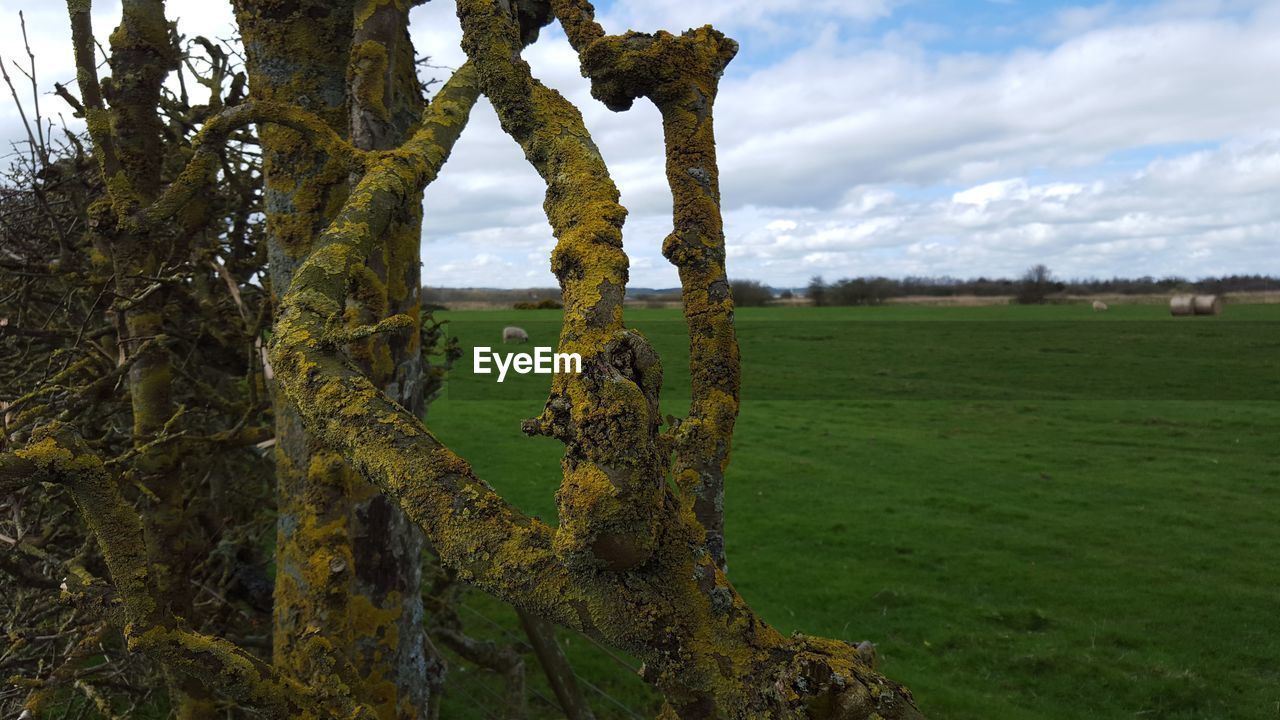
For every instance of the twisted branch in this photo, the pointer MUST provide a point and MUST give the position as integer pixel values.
(57, 455)
(201, 170)
(680, 74)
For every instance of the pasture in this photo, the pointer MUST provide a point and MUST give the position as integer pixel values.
(1035, 512)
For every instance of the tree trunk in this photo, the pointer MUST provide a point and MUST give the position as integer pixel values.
(348, 562)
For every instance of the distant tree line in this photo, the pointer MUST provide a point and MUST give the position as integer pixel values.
(444, 296)
(750, 293)
(1037, 285)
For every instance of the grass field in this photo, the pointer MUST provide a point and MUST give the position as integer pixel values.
(1036, 512)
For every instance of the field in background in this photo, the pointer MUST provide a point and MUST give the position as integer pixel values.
(468, 299)
(1035, 511)
(1262, 297)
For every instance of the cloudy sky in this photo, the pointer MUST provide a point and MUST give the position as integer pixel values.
(888, 137)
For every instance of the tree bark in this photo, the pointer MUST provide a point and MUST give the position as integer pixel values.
(303, 186)
(386, 101)
(680, 75)
(348, 561)
(124, 122)
(651, 589)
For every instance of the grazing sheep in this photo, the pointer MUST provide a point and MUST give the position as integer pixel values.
(867, 652)
(511, 333)
(1099, 306)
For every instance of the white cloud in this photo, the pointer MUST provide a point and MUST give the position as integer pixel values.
(836, 115)
(849, 154)
(1159, 220)
(49, 35)
(779, 17)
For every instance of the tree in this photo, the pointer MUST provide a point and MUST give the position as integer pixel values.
(818, 291)
(74, 283)
(749, 293)
(1035, 286)
(634, 562)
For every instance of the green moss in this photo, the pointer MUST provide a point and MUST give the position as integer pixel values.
(663, 598)
(369, 62)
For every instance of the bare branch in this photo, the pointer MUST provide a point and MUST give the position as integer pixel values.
(58, 455)
(202, 168)
(608, 415)
(95, 111)
(680, 74)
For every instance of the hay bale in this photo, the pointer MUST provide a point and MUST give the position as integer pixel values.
(1207, 305)
(1099, 306)
(1182, 305)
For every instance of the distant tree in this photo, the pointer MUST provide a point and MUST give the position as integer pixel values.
(750, 293)
(544, 304)
(1035, 286)
(818, 290)
(863, 291)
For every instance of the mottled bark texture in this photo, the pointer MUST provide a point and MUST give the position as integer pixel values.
(57, 455)
(629, 562)
(331, 686)
(297, 54)
(124, 121)
(385, 103)
(348, 561)
(680, 75)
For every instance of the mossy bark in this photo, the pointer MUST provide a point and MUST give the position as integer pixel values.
(655, 591)
(125, 125)
(680, 74)
(57, 455)
(386, 102)
(352, 64)
(296, 55)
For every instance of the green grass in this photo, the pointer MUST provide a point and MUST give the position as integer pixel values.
(1036, 512)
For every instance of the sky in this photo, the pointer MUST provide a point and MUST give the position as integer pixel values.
(879, 137)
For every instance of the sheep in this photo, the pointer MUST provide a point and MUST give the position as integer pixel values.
(1099, 306)
(511, 333)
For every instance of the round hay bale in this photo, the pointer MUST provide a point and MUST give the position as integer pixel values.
(1182, 305)
(1207, 305)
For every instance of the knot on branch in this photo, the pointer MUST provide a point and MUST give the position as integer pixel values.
(56, 451)
(687, 250)
(615, 398)
(658, 66)
(395, 323)
(830, 678)
(614, 465)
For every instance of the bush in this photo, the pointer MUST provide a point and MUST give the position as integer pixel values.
(818, 291)
(1035, 286)
(750, 293)
(862, 291)
(547, 304)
